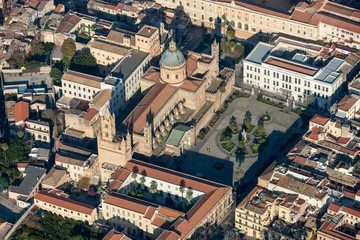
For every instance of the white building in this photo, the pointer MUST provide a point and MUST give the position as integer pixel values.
(124, 79)
(297, 70)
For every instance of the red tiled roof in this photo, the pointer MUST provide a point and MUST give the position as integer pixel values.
(91, 114)
(58, 8)
(151, 104)
(22, 165)
(149, 212)
(64, 202)
(127, 202)
(291, 66)
(115, 235)
(347, 102)
(299, 160)
(170, 212)
(328, 228)
(21, 111)
(318, 119)
(343, 140)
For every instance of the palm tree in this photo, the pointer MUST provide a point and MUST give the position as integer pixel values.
(143, 177)
(135, 172)
(182, 189)
(4, 147)
(153, 189)
(189, 195)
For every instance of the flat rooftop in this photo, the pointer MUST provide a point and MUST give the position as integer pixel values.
(128, 64)
(32, 175)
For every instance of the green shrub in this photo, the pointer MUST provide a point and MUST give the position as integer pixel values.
(269, 102)
(241, 151)
(259, 133)
(249, 128)
(214, 120)
(254, 148)
(203, 132)
(225, 137)
(228, 146)
(234, 128)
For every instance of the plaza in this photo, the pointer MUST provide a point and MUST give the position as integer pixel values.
(229, 167)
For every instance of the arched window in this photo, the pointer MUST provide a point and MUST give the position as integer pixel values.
(246, 27)
(239, 25)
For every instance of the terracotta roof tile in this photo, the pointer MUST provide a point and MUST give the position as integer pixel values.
(150, 104)
(101, 98)
(91, 114)
(149, 212)
(318, 119)
(64, 202)
(115, 235)
(347, 102)
(191, 84)
(58, 8)
(82, 78)
(291, 66)
(299, 160)
(129, 203)
(21, 111)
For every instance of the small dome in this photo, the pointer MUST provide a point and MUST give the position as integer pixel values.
(172, 57)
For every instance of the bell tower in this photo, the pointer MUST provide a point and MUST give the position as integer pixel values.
(113, 150)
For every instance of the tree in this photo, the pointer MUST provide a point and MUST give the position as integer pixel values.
(20, 134)
(247, 117)
(56, 75)
(17, 59)
(189, 195)
(135, 172)
(84, 183)
(230, 34)
(68, 50)
(5, 147)
(4, 182)
(84, 62)
(208, 232)
(209, 30)
(182, 189)
(143, 177)
(153, 189)
(260, 122)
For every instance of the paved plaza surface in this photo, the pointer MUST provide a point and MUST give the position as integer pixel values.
(204, 159)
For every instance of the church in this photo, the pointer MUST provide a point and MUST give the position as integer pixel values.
(179, 100)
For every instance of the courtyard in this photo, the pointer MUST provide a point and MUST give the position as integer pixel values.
(211, 160)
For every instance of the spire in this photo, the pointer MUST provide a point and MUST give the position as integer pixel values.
(172, 46)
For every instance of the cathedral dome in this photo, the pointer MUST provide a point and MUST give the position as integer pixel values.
(172, 57)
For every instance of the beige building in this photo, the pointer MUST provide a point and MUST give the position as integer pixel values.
(211, 202)
(107, 54)
(261, 207)
(148, 40)
(37, 130)
(59, 203)
(27, 186)
(318, 20)
(78, 162)
(344, 224)
(55, 178)
(80, 85)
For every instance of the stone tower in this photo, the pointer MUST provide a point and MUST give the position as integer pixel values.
(113, 149)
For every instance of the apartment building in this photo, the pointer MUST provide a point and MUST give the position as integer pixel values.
(107, 54)
(300, 71)
(261, 207)
(77, 161)
(341, 223)
(80, 85)
(105, 8)
(148, 218)
(60, 203)
(148, 40)
(37, 130)
(348, 107)
(25, 189)
(124, 79)
(317, 20)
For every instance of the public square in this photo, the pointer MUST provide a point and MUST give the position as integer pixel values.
(228, 167)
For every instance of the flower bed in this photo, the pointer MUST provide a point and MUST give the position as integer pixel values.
(203, 133)
(260, 133)
(233, 128)
(254, 148)
(214, 120)
(241, 151)
(225, 137)
(269, 102)
(249, 128)
(228, 146)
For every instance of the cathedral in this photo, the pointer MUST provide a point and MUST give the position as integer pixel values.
(179, 100)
